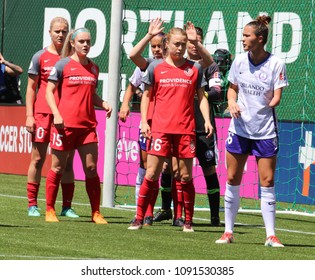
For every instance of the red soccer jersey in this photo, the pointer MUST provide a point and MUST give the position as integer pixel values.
(76, 93)
(42, 63)
(171, 109)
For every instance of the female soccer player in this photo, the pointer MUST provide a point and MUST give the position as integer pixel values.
(74, 123)
(171, 132)
(39, 119)
(257, 79)
(157, 48)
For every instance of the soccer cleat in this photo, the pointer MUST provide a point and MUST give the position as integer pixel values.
(215, 221)
(148, 221)
(188, 227)
(179, 222)
(273, 241)
(51, 216)
(226, 238)
(33, 211)
(135, 225)
(69, 212)
(163, 215)
(98, 218)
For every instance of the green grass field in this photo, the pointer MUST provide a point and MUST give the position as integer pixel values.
(29, 238)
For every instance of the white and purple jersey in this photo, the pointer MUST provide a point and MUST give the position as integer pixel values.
(256, 86)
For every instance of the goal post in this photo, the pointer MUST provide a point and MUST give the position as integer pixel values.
(113, 93)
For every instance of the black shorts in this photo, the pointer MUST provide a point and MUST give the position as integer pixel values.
(206, 150)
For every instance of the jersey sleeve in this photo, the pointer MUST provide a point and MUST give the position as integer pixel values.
(34, 68)
(201, 81)
(57, 70)
(136, 78)
(280, 75)
(148, 76)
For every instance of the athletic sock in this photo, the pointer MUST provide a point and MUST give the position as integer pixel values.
(213, 191)
(52, 186)
(152, 201)
(93, 189)
(67, 194)
(145, 194)
(268, 209)
(32, 193)
(189, 199)
(231, 205)
(177, 194)
(139, 180)
(166, 191)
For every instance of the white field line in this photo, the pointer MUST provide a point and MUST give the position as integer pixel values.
(132, 208)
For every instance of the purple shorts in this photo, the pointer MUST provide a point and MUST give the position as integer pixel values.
(260, 148)
(142, 141)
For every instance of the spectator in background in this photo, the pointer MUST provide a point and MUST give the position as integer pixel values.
(223, 59)
(257, 79)
(39, 120)
(9, 82)
(74, 120)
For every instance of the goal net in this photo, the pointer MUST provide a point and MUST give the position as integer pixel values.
(291, 39)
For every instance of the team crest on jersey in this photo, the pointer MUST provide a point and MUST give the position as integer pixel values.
(188, 71)
(53, 71)
(93, 69)
(262, 76)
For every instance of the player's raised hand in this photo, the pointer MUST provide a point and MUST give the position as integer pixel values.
(191, 31)
(156, 26)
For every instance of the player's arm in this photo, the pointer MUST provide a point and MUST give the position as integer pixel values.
(11, 68)
(135, 55)
(205, 110)
(275, 101)
(50, 98)
(30, 100)
(144, 107)
(124, 108)
(235, 110)
(213, 89)
(99, 102)
(206, 58)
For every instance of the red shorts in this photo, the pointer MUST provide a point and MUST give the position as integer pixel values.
(42, 128)
(71, 138)
(177, 145)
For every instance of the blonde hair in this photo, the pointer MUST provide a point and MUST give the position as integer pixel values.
(67, 48)
(175, 30)
(261, 25)
(58, 19)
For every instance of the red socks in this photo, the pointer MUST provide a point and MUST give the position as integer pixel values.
(153, 199)
(189, 199)
(145, 194)
(177, 194)
(52, 185)
(93, 189)
(32, 193)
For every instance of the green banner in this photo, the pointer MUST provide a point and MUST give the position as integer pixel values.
(26, 24)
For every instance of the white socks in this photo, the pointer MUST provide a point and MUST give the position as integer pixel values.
(268, 209)
(231, 205)
(139, 180)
